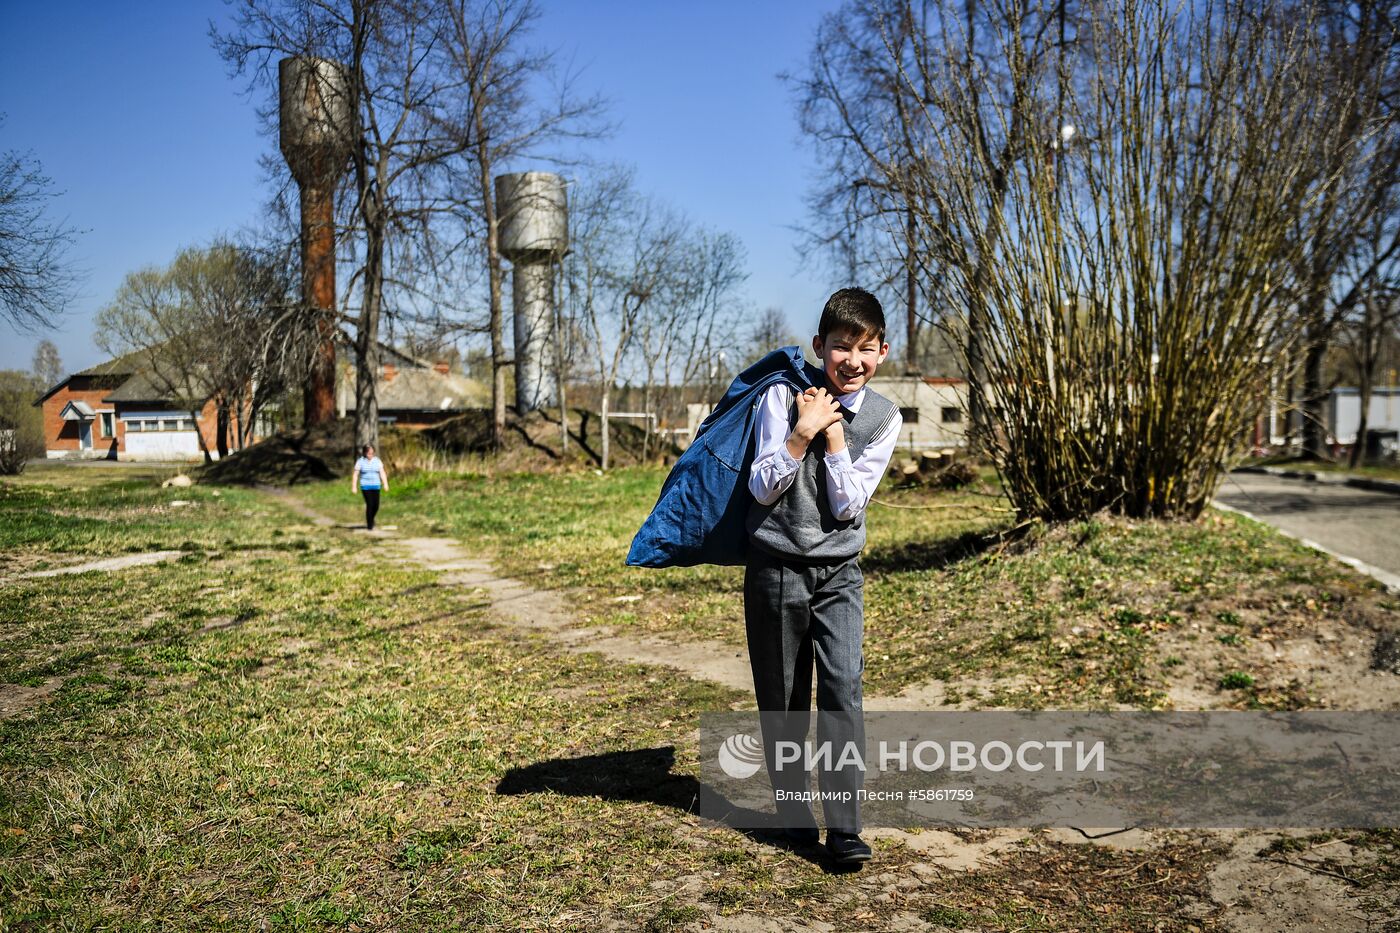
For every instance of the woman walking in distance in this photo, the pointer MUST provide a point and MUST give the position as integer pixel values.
(369, 477)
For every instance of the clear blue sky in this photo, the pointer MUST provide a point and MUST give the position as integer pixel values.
(136, 121)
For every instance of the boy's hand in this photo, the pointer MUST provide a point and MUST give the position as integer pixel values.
(817, 410)
(835, 435)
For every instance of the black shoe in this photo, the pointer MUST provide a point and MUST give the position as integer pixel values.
(847, 848)
(802, 835)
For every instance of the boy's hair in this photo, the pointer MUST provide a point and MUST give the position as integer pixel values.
(364, 451)
(853, 309)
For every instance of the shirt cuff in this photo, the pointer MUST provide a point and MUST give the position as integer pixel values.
(840, 461)
(784, 462)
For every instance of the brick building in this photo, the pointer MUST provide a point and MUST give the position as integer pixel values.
(113, 411)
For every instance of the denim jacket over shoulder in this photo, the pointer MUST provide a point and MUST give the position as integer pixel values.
(699, 516)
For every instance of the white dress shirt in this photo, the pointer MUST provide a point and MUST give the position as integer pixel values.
(849, 485)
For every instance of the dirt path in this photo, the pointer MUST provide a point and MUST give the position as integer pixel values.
(1256, 895)
(545, 611)
(284, 496)
(106, 563)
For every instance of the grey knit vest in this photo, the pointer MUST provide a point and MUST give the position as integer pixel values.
(801, 524)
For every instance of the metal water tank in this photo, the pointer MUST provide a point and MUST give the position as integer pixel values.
(534, 216)
(533, 233)
(316, 121)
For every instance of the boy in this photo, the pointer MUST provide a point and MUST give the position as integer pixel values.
(817, 460)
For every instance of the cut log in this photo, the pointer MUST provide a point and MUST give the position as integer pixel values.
(930, 461)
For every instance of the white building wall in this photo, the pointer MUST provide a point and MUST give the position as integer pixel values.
(1346, 412)
(932, 406)
(158, 445)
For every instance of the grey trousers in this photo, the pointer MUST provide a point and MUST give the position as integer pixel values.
(795, 613)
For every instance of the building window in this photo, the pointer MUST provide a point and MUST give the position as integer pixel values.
(951, 415)
(910, 415)
(150, 425)
(108, 424)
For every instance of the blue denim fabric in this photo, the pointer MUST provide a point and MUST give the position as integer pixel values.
(699, 516)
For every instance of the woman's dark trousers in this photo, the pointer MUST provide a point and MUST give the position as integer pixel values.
(371, 506)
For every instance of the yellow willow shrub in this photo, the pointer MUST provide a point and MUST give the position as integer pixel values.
(1109, 202)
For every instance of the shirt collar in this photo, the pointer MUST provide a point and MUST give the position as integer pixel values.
(852, 400)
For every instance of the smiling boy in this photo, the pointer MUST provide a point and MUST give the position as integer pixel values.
(818, 457)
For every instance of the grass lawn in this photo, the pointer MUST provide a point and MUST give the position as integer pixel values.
(1105, 613)
(53, 512)
(282, 729)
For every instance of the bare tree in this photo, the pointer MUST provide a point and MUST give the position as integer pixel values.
(873, 83)
(443, 96)
(47, 366)
(404, 94)
(623, 247)
(37, 283)
(502, 110)
(1106, 197)
(768, 331)
(240, 298)
(147, 318)
(846, 104)
(1359, 68)
(694, 317)
(848, 100)
(204, 328)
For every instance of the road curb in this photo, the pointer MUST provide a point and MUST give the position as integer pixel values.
(1385, 578)
(1329, 479)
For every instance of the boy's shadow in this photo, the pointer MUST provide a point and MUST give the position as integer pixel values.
(644, 775)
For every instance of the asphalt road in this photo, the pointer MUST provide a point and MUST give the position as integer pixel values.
(1356, 522)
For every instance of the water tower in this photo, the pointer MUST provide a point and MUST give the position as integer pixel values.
(533, 234)
(316, 135)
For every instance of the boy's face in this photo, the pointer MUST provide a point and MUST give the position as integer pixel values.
(850, 360)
